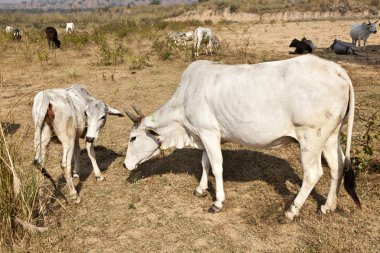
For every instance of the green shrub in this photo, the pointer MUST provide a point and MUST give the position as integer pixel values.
(139, 62)
(163, 49)
(234, 8)
(111, 55)
(75, 40)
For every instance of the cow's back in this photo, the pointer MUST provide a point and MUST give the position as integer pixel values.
(254, 104)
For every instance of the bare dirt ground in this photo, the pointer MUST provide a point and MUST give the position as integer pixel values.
(153, 208)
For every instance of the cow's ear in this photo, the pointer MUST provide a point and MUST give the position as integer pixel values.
(113, 111)
(151, 131)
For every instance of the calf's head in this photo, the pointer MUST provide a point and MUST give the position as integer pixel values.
(144, 142)
(96, 115)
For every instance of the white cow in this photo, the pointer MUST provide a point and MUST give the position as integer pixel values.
(362, 31)
(202, 36)
(175, 37)
(69, 27)
(187, 36)
(71, 114)
(8, 29)
(265, 105)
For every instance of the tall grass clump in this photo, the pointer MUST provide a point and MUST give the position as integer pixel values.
(20, 194)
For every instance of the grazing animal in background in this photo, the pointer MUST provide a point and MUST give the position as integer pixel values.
(175, 37)
(186, 36)
(215, 42)
(304, 99)
(302, 47)
(69, 28)
(340, 47)
(360, 32)
(71, 114)
(8, 29)
(202, 36)
(17, 35)
(52, 37)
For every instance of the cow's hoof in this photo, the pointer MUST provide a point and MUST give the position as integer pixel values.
(75, 198)
(214, 209)
(75, 175)
(200, 194)
(284, 220)
(100, 178)
(326, 210)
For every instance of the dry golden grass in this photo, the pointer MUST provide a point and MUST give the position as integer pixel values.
(152, 209)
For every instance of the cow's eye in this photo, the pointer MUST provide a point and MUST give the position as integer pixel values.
(133, 139)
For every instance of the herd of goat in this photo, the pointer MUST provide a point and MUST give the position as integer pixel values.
(73, 113)
(206, 37)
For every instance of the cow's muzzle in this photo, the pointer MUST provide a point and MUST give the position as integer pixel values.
(89, 139)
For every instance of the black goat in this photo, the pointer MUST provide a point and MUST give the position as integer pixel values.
(52, 37)
(302, 47)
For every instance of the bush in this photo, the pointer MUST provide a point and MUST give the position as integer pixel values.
(162, 49)
(155, 2)
(234, 8)
(75, 40)
(111, 55)
(139, 62)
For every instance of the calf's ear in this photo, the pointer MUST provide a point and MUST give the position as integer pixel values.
(113, 111)
(151, 131)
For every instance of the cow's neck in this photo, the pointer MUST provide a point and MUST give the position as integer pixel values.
(168, 123)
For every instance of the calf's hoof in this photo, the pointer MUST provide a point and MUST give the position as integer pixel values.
(75, 198)
(201, 194)
(284, 220)
(100, 178)
(214, 209)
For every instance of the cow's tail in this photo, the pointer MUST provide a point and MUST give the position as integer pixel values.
(41, 106)
(349, 174)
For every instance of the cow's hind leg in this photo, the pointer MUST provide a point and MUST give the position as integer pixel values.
(312, 172)
(41, 141)
(334, 157)
(201, 189)
(213, 149)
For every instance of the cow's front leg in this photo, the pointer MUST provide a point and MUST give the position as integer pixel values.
(201, 189)
(365, 43)
(76, 159)
(213, 149)
(91, 154)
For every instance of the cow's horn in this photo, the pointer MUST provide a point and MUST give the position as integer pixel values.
(130, 115)
(138, 111)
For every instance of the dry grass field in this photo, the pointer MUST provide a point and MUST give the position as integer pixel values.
(152, 209)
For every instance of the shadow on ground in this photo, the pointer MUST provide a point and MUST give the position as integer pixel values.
(238, 165)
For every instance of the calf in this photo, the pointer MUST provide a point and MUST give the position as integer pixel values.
(302, 47)
(69, 27)
(71, 114)
(203, 36)
(52, 37)
(17, 34)
(360, 32)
